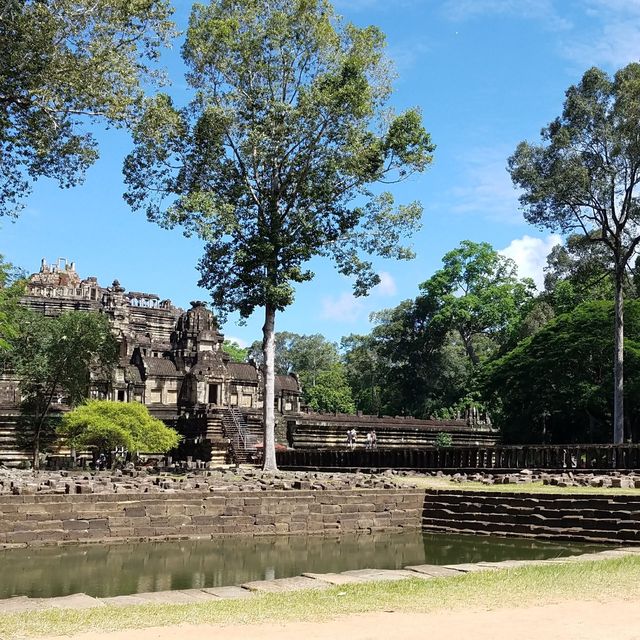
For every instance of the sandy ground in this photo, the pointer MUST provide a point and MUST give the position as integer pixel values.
(611, 620)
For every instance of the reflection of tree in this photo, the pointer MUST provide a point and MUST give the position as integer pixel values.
(111, 570)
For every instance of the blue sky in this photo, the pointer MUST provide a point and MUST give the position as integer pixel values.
(486, 74)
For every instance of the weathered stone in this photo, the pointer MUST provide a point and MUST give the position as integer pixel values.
(434, 571)
(280, 585)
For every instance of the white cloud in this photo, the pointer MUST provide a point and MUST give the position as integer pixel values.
(243, 344)
(606, 34)
(346, 308)
(615, 45)
(369, 5)
(540, 10)
(612, 37)
(488, 188)
(387, 286)
(343, 308)
(530, 254)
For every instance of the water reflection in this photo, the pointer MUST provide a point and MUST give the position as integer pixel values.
(109, 570)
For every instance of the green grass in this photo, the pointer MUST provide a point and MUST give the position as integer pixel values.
(531, 487)
(601, 580)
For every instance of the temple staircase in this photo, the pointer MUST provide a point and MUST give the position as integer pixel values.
(243, 441)
(215, 435)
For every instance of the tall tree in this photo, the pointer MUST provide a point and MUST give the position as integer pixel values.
(63, 64)
(309, 357)
(301, 354)
(331, 391)
(478, 295)
(422, 366)
(59, 357)
(273, 162)
(282, 349)
(577, 271)
(363, 372)
(583, 178)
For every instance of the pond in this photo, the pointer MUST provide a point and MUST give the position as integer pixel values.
(117, 569)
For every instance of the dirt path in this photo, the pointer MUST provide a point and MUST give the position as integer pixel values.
(611, 620)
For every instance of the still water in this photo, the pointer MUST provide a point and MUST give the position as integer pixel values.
(118, 569)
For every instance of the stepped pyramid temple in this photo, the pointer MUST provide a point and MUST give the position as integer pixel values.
(172, 361)
(169, 359)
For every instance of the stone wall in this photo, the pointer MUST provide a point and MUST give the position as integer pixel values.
(59, 519)
(588, 517)
(54, 519)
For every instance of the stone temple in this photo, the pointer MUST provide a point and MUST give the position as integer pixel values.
(169, 359)
(172, 361)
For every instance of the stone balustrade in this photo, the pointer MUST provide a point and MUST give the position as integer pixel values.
(505, 458)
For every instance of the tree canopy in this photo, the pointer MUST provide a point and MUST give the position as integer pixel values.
(317, 363)
(422, 356)
(477, 294)
(274, 160)
(331, 392)
(556, 385)
(235, 351)
(64, 64)
(105, 424)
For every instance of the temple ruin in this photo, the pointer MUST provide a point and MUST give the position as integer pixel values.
(171, 360)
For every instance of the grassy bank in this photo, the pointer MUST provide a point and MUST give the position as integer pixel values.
(601, 580)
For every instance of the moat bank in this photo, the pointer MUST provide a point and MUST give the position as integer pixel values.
(118, 569)
(75, 518)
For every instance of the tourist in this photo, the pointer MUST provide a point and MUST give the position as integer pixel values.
(349, 439)
(374, 439)
(369, 440)
(354, 435)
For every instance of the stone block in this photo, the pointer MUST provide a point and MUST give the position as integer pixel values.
(264, 529)
(365, 523)
(75, 524)
(330, 508)
(21, 536)
(282, 585)
(144, 532)
(229, 593)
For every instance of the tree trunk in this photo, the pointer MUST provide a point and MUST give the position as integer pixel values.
(618, 363)
(36, 453)
(471, 352)
(268, 413)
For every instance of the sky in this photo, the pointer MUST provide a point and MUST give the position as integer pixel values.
(486, 75)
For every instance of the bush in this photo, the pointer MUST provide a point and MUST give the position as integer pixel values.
(105, 424)
(443, 440)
